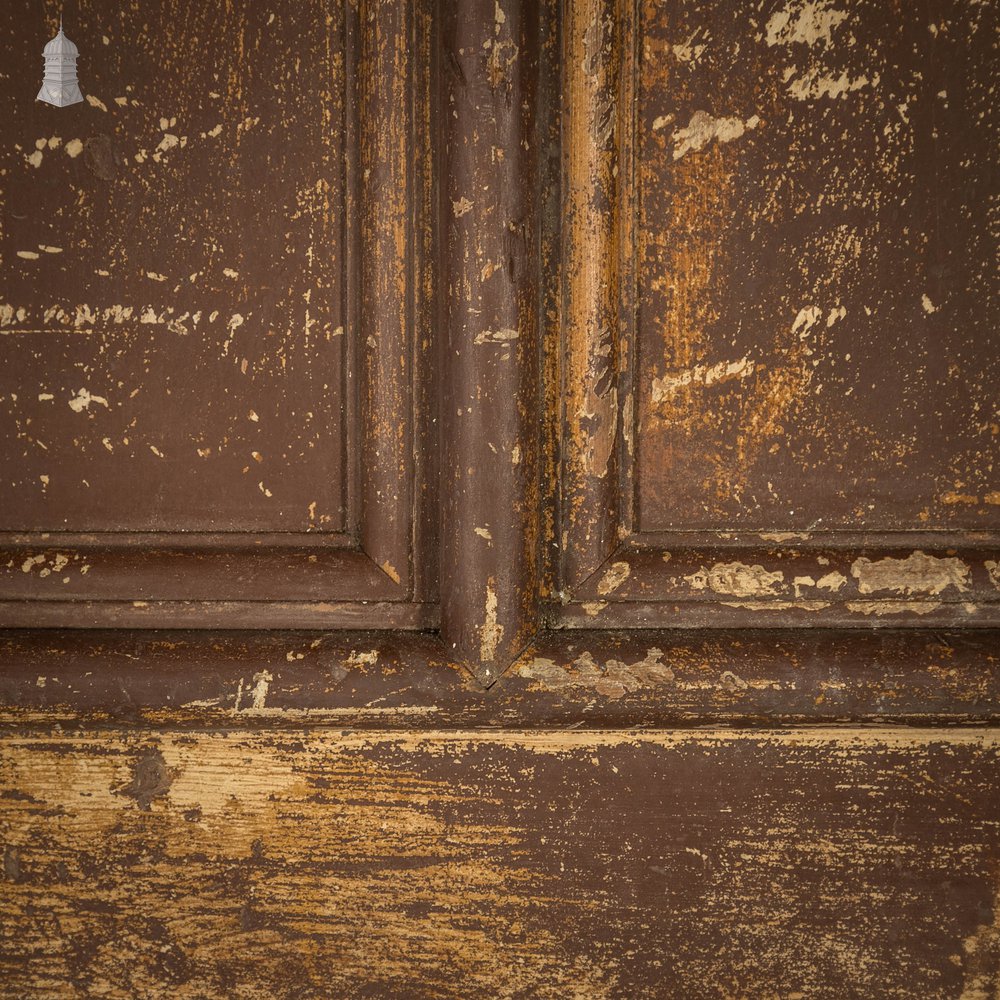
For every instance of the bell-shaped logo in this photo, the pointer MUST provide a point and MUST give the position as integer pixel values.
(60, 86)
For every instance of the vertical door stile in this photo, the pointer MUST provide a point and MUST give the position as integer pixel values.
(490, 391)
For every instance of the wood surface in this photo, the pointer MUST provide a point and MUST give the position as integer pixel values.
(592, 678)
(241, 287)
(490, 390)
(183, 338)
(777, 336)
(594, 401)
(820, 863)
(541, 268)
(499, 499)
(815, 337)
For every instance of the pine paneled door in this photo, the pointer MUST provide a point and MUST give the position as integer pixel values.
(500, 499)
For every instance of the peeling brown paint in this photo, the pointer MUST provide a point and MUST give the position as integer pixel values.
(443, 863)
(231, 335)
(761, 400)
(981, 964)
(612, 679)
(893, 607)
(489, 385)
(772, 606)
(699, 246)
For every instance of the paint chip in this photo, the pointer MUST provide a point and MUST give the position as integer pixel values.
(737, 579)
(812, 86)
(703, 128)
(706, 375)
(615, 576)
(918, 573)
(804, 23)
(82, 400)
(504, 336)
(491, 633)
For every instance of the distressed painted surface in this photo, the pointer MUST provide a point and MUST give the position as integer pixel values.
(142, 571)
(817, 282)
(376, 680)
(596, 193)
(814, 580)
(490, 388)
(590, 865)
(759, 677)
(187, 219)
(387, 355)
(168, 826)
(319, 492)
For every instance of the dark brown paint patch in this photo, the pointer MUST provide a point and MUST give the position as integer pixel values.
(150, 779)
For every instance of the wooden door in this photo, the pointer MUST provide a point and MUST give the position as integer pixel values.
(500, 499)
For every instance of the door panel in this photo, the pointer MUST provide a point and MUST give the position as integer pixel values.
(779, 369)
(199, 231)
(515, 225)
(814, 336)
(214, 323)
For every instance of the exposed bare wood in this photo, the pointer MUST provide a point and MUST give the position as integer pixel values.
(592, 401)
(768, 582)
(827, 863)
(800, 385)
(386, 310)
(499, 498)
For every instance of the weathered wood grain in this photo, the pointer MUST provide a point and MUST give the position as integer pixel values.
(756, 240)
(594, 407)
(822, 864)
(386, 292)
